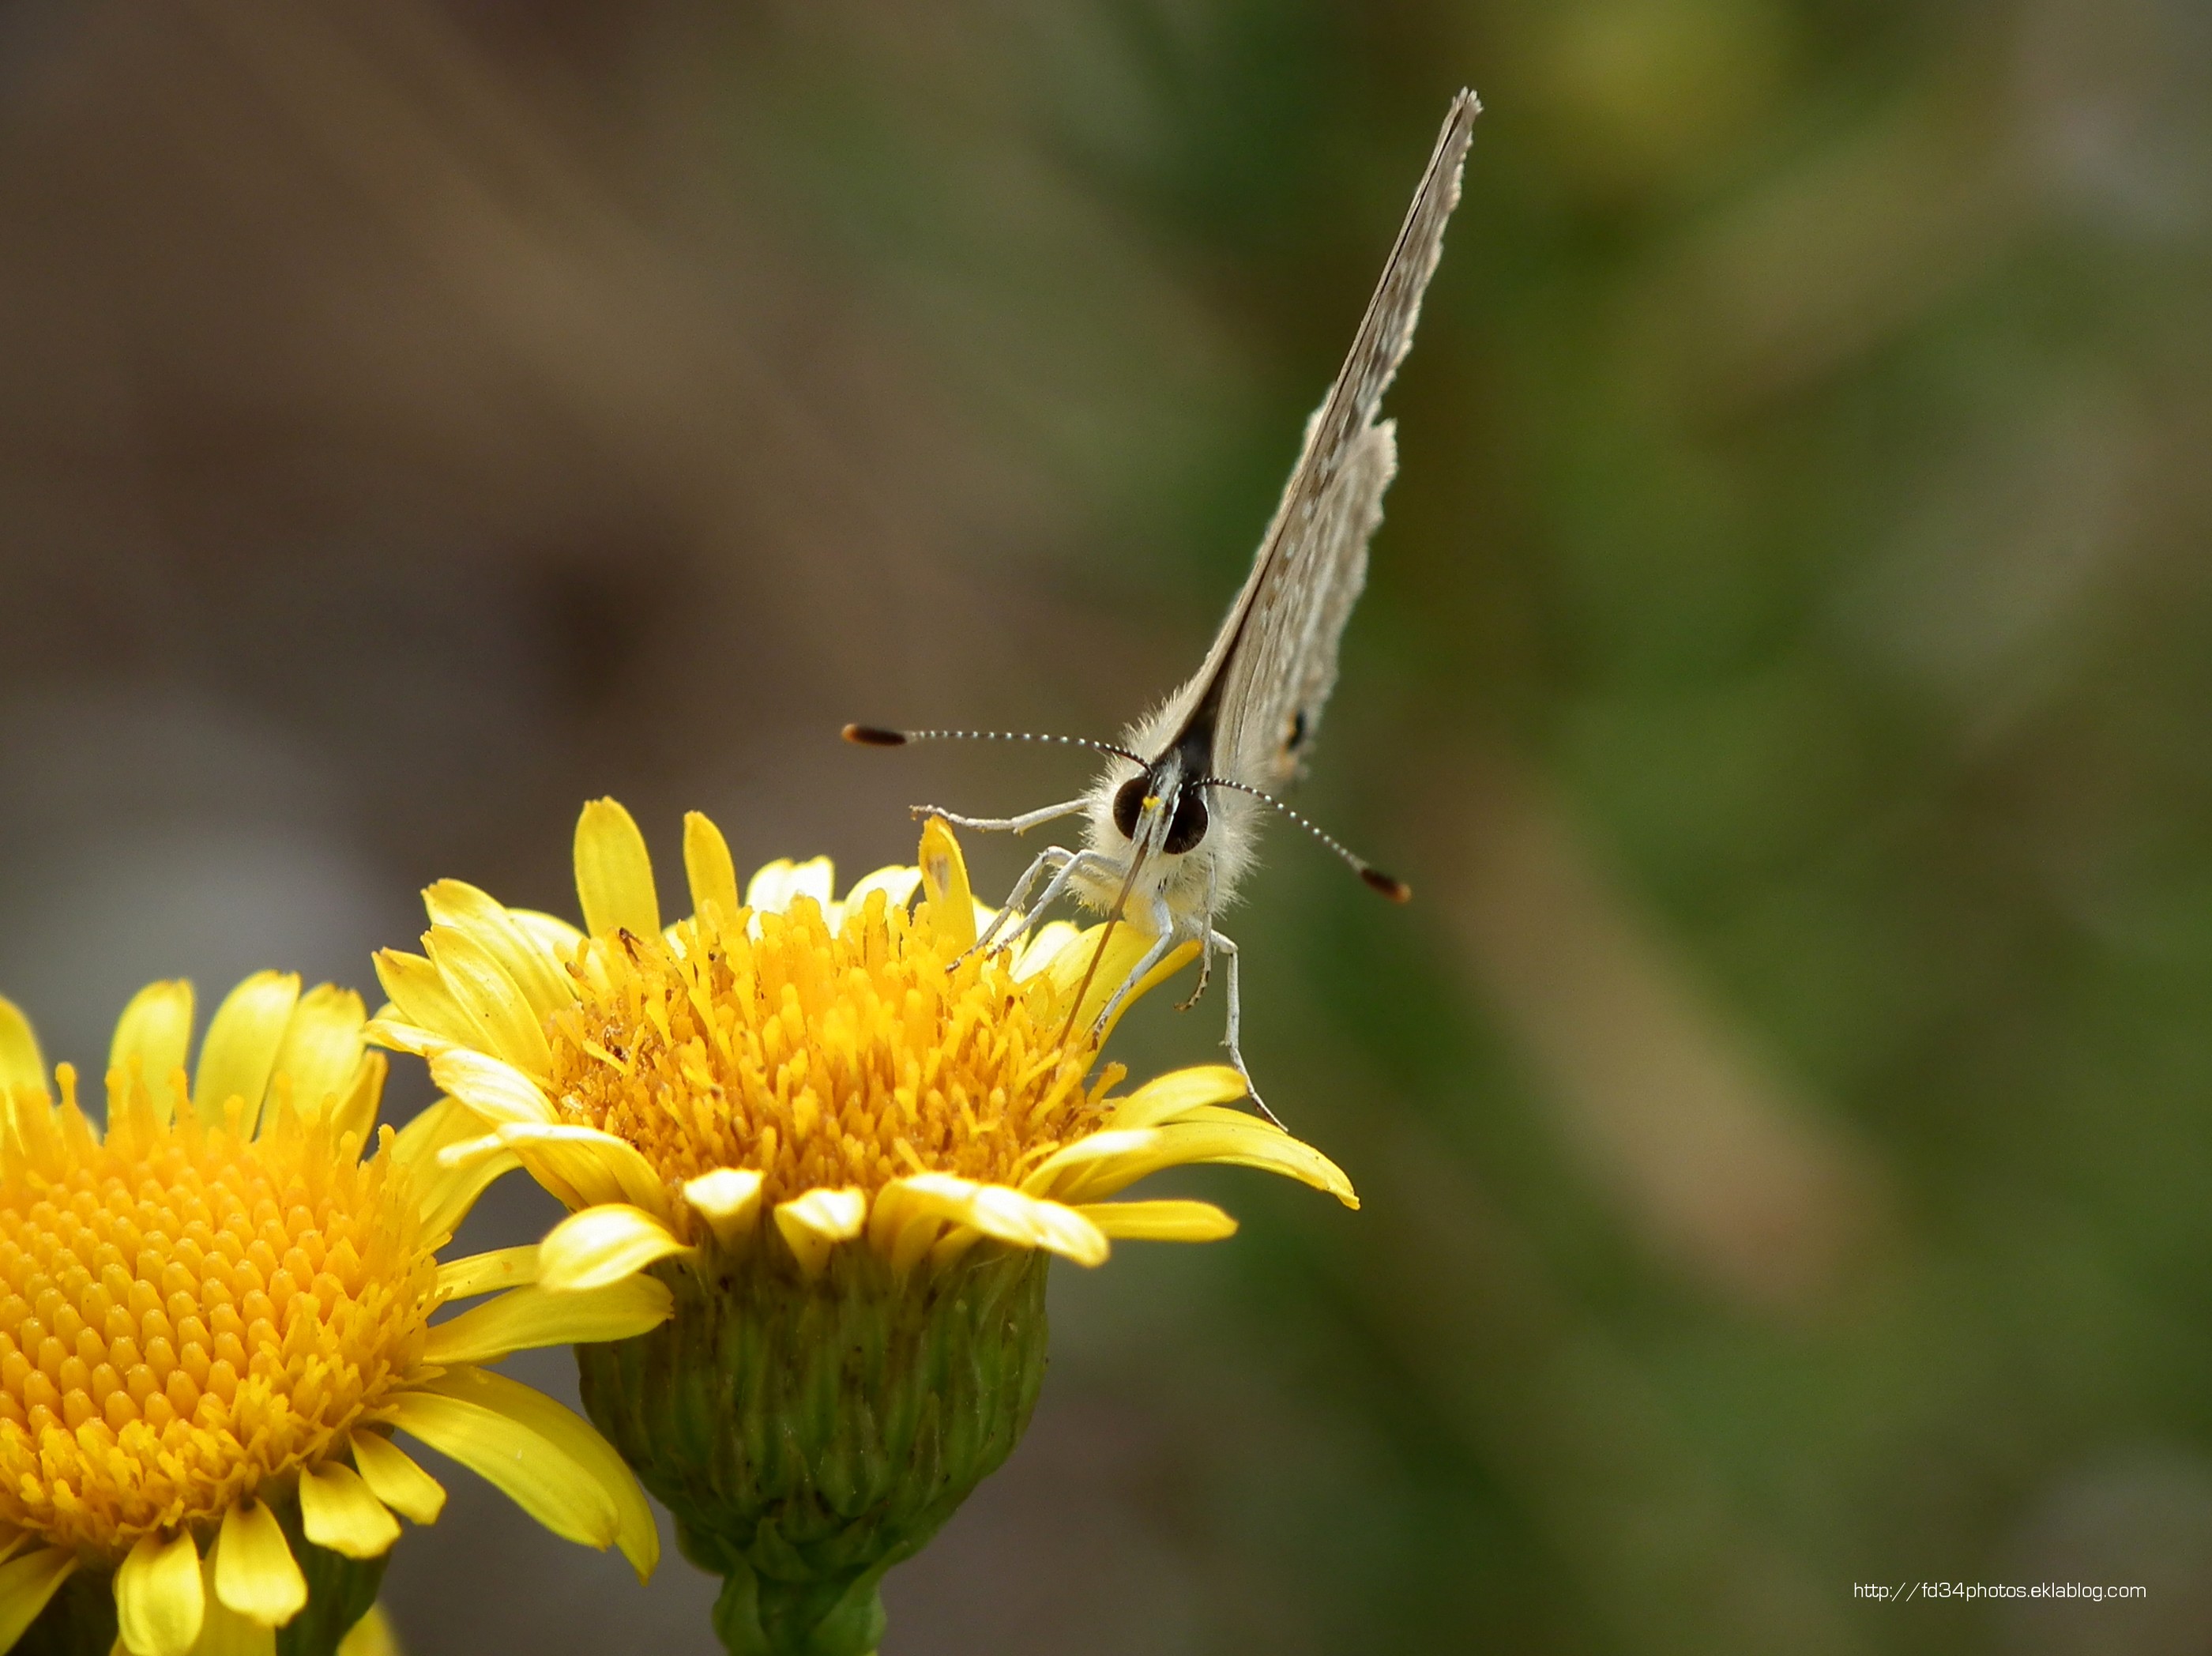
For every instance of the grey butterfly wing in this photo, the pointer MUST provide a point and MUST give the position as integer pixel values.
(1276, 655)
(1281, 675)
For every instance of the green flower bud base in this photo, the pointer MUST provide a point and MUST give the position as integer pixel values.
(808, 1435)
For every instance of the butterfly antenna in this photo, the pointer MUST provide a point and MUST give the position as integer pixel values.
(1396, 889)
(863, 735)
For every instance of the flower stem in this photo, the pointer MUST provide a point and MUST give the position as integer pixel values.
(756, 1617)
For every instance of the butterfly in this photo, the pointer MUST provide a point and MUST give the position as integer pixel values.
(1174, 819)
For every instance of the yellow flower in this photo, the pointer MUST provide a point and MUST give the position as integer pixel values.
(214, 1314)
(849, 1142)
(847, 1072)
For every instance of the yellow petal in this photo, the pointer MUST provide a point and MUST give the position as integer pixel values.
(765, 890)
(25, 1583)
(487, 1148)
(897, 883)
(1070, 961)
(371, 1636)
(255, 1572)
(816, 877)
(1055, 1168)
(322, 1047)
(1247, 1143)
(814, 1223)
(481, 1272)
(1171, 1095)
(1160, 1222)
(1009, 1215)
(598, 1167)
(1214, 1114)
(20, 1064)
(494, 1088)
(713, 874)
(156, 1029)
(446, 1122)
(535, 969)
(337, 1510)
(553, 935)
(549, 1461)
(1123, 945)
(444, 1194)
(393, 1477)
(898, 1229)
(355, 1110)
(472, 1150)
(728, 1199)
(944, 880)
(1121, 959)
(602, 1244)
(223, 1631)
(956, 1241)
(526, 1318)
(241, 1048)
(159, 1599)
(514, 1459)
(1044, 948)
(614, 875)
(776, 886)
(475, 979)
(389, 1029)
(429, 1017)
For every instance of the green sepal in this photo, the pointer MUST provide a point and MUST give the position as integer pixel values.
(807, 1435)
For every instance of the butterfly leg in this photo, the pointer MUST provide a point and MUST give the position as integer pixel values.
(1206, 934)
(1065, 866)
(1078, 864)
(1020, 824)
(1163, 939)
(1236, 1018)
(1054, 857)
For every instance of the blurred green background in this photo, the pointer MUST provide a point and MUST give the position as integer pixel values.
(1784, 1115)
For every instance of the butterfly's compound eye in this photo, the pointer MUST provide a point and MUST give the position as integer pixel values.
(1188, 826)
(1129, 804)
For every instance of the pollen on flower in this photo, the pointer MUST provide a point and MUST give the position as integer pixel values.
(187, 1310)
(823, 1057)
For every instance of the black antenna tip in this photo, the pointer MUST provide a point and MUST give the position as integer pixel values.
(868, 735)
(1396, 889)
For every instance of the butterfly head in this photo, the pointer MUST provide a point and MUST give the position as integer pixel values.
(1176, 843)
(1187, 820)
